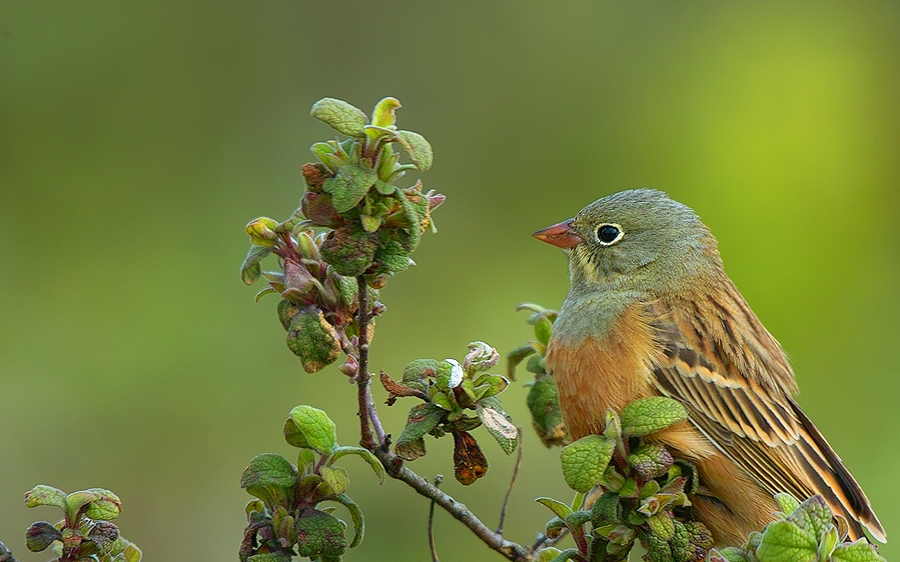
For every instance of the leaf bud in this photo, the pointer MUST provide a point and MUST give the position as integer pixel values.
(481, 357)
(261, 232)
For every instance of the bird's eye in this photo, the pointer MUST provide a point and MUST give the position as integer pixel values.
(609, 234)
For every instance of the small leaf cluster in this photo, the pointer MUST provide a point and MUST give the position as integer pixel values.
(5, 554)
(629, 491)
(370, 228)
(803, 532)
(85, 532)
(542, 399)
(450, 391)
(286, 519)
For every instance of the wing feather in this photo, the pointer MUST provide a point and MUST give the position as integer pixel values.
(735, 380)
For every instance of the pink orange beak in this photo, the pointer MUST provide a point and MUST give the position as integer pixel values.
(562, 235)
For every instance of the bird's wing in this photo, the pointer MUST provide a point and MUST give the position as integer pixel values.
(732, 375)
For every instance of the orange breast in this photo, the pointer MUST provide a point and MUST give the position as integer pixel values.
(597, 372)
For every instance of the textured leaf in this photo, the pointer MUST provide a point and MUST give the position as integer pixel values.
(106, 507)
(449, 375)
(813, 516)
(250, 269)
(392, 258)
(585, 461)
(546, 417)
(270, 557)
(349, 249)
(418, 149)
(320, 534)
(859, 551)
(500, 426)
(310, 428)
(786, 502)
(41, 535)
(651, 460)
(349, 186)
(313, 339)
(649, 415)
(269, 469)
(422, 419)
(481, 357)
(420, 369)
(784, 541)
(490, 385)
(45, 495)
(336, 478)
(469, 462)
(542, 329)
(340, 116)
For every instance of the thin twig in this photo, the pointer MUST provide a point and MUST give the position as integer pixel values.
(362, 376)
(434, 556)
(512, 482)
(396, 469)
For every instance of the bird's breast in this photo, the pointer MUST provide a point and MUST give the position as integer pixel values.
(594, 372)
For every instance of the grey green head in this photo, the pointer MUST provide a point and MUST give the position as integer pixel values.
(636, 240)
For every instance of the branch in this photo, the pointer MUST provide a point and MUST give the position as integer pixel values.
(368, 417)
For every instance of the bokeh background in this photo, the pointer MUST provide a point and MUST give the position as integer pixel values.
(137, 139)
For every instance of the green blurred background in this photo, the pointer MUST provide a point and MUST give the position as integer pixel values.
(137, 139)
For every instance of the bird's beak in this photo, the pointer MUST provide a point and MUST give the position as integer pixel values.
(561, 235)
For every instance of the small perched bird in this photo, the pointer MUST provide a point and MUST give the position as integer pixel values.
(651, 312)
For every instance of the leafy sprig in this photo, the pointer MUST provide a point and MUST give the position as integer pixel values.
(85, 532)
(451, 392)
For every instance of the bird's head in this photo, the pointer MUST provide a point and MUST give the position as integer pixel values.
(637, 240)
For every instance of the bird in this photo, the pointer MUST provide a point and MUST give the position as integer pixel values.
(651, 312)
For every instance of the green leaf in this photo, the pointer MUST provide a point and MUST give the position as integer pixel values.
(421, 420)
(75, 502)
(384, 187)
(392, 258)
(859, 551)
(41, 535)
(106, 507)
(786, 502)
(784, 541)
(340, 116)
(320, 534)
(492, 385)
(420, 369)
(542, 329)
(547, 554)
(661, 525)
(384, 113)
(269, 469)
(369, 223)
(250, 269)
(813, 516)
(313, 339)
(359, 524)
(418, 149)
(516, 356)
(558, 508)
(349, 249)
(728, 554)
(336, 478)
(449, 375)
(585, 460)
(649, 415)
(45, 495)
(500, 426)
(131, 553)
(567, 554)
(651, 460)
(546, 417)
(366, 456)
(311, 428)
(349, 186)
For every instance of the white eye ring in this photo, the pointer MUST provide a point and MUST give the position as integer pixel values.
(609, 233)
